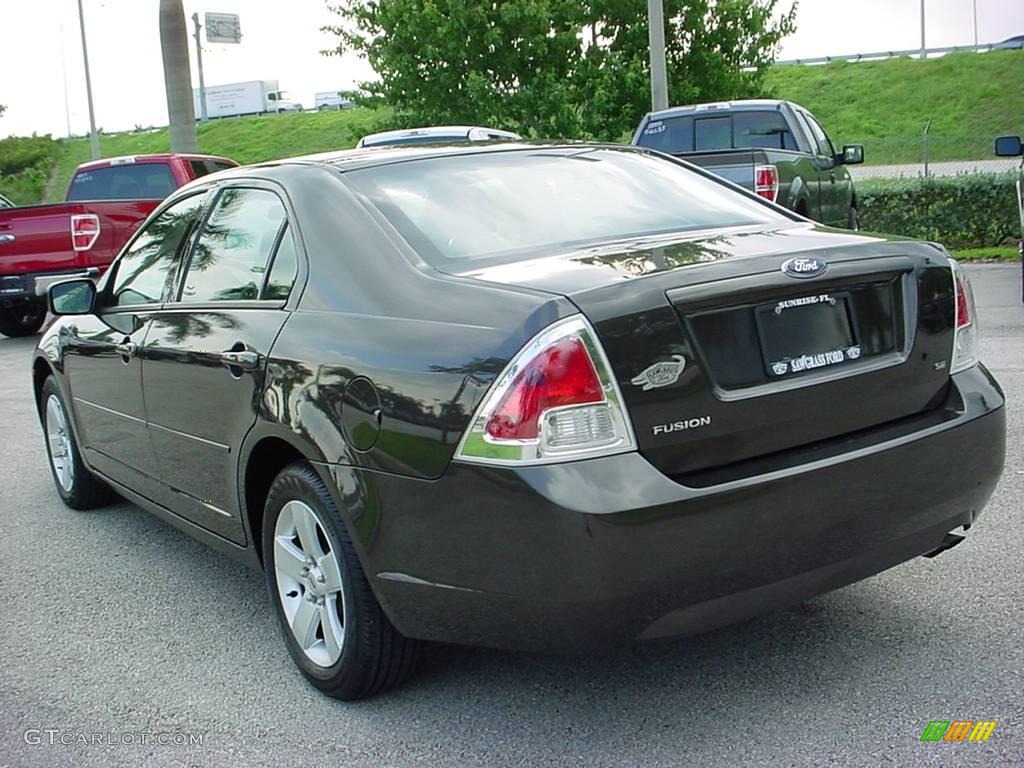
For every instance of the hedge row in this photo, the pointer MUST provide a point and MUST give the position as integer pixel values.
(969, 211)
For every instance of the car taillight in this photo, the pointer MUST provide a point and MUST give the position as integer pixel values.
(766, 181)
(555, 400)
(85, 230)
(965, 335)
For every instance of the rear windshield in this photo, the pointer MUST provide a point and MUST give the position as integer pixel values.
(709, 132)
(142, 181)
(204, 167)
(516, 204)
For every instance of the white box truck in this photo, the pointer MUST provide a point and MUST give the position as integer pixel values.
(252, 97)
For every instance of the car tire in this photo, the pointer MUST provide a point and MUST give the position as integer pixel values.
(78, 487)
(23, 319)
(853, 219)
(335, 630)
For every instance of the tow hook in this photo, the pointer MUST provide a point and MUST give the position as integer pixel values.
(951, 540)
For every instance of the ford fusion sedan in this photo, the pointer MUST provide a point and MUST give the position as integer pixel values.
(557, 398)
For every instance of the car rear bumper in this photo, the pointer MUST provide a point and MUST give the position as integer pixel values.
(596, 553)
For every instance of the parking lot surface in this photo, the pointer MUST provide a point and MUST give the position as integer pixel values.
(115, 625)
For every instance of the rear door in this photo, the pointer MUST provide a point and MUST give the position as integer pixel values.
(101, 351)
(206, 354)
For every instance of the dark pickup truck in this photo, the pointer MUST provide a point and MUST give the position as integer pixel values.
(776, 149)
(106, 202)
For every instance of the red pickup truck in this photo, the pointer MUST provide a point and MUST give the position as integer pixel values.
(106, 202)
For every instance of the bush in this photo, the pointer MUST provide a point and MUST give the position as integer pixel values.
(968, 211)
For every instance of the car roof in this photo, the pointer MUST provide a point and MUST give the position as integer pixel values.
(735, 106)
(431, 131)
(107, 162)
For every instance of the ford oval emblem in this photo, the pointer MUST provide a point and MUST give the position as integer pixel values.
(804, 266)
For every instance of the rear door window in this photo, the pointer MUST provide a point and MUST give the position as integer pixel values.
(136, 181)
(230, 257)
(821, 139)
(143, 273)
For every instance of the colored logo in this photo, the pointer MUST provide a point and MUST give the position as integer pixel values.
(804, 266)
(958, 730)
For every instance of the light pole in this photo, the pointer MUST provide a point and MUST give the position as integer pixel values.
(923, 54)
(656, 37)
(199, 66)
(94, 139)
(975, 2)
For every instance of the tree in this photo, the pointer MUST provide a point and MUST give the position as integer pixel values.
(2, 110)
(177, 76)
(555, 67)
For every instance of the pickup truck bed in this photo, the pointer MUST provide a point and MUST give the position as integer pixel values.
(775, 149)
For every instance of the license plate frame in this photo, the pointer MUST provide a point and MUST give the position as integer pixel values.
(843, 348)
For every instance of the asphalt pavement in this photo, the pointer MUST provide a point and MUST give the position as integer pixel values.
(115, 625)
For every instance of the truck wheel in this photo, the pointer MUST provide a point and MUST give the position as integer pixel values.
(23, 319)
(854, 220)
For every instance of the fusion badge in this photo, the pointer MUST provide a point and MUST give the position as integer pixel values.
(660, 374)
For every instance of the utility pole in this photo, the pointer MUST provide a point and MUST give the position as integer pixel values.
(924, 55)
(975, 23)
(94, 139)
(199, 66)
(656, 36)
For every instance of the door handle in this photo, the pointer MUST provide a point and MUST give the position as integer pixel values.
(126, 350)
(7, 238)
(244, 359)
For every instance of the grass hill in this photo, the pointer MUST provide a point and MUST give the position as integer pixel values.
(970, 98)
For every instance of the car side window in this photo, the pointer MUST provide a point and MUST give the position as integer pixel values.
(144, 271)
(231, 255)
(283, 269)
(824, 144)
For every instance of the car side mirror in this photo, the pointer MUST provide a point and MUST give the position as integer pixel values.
(853, 154)
(72, 297)
(1008, 146)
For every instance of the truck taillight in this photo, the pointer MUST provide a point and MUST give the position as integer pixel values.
(556, 400)
(85, 230)
(766, 181)
(965, 334)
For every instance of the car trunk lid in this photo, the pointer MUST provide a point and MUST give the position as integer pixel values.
(723, 357)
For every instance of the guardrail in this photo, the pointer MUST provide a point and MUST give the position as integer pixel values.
(890, 54)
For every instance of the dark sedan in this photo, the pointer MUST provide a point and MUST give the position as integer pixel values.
(530, 397)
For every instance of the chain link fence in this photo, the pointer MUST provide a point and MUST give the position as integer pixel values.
(928, 155)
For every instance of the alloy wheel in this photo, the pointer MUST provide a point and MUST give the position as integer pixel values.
(308, 577)
(59, 440)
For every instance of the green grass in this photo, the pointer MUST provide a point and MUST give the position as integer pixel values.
(244, 139)
(970, 97)
(1006, 253)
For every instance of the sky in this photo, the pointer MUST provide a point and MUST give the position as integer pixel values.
(41, 53)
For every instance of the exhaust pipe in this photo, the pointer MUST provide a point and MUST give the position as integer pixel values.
(948, 542)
